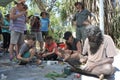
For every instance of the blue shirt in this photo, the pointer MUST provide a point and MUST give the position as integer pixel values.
(44, 24)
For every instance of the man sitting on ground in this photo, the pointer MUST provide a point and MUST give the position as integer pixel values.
(100, 50)
(72, 48)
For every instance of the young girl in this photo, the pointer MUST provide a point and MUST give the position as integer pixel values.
(50, 52)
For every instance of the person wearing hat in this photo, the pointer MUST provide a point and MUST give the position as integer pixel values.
(72, 47)
(17, 27)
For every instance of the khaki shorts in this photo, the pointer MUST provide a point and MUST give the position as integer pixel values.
(38, 36)
(81, 33)
(17, 38)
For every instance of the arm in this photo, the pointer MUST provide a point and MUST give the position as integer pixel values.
(22, 52)
(22, 59)
(49, 53)
(32, 21)
(79, 47)
(5, 25)
(90, 19)
(85, 47)
(74, 20)
(14, 16)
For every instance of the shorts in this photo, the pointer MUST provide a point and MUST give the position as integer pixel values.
(17, 38)
(38, 36)
(44, 34)
(81, 33)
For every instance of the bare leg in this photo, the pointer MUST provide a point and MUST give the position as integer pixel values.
(16, 49)
(106, 69)
(41, 45)
(100, 71)
(11, 48)
(75, 56)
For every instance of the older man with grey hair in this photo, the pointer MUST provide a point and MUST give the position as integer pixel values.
(100, 50)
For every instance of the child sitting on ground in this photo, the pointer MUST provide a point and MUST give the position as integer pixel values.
(27, 51)
(50, 51)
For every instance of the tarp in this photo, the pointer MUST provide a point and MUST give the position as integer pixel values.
(5, 2)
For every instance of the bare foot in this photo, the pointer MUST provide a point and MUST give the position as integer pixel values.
(101, 77)
(39, 62)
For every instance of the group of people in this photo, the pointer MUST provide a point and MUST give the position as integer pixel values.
(90, 46)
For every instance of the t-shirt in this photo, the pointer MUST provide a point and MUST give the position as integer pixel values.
(18, 24)
(24, 49)
(50, 47)
(6, 23)
(106, 49)
(44, 24)
(80, 17)
(36, 26)
(73, 45)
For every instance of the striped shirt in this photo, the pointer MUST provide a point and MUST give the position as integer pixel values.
(18, 24)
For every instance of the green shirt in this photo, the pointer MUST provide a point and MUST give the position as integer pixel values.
(80, 17)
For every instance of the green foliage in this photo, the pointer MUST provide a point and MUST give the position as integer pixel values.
(115, 30)
(54, 75)
(63, 14)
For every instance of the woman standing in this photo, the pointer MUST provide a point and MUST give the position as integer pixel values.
(6, 32)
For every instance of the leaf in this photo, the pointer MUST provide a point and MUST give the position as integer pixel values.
(55, 75)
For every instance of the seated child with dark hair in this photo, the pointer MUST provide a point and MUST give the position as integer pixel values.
(27, 51)
(50, 51)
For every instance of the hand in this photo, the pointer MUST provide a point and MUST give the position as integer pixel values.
(86, 23)
(44, 55)
(83, 60)
(23, 12)
(89, 68)
(28, 59)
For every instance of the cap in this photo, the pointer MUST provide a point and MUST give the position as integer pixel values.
(67, 35)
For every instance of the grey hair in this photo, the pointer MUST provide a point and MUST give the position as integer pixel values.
(95, 38)
(93, 30)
